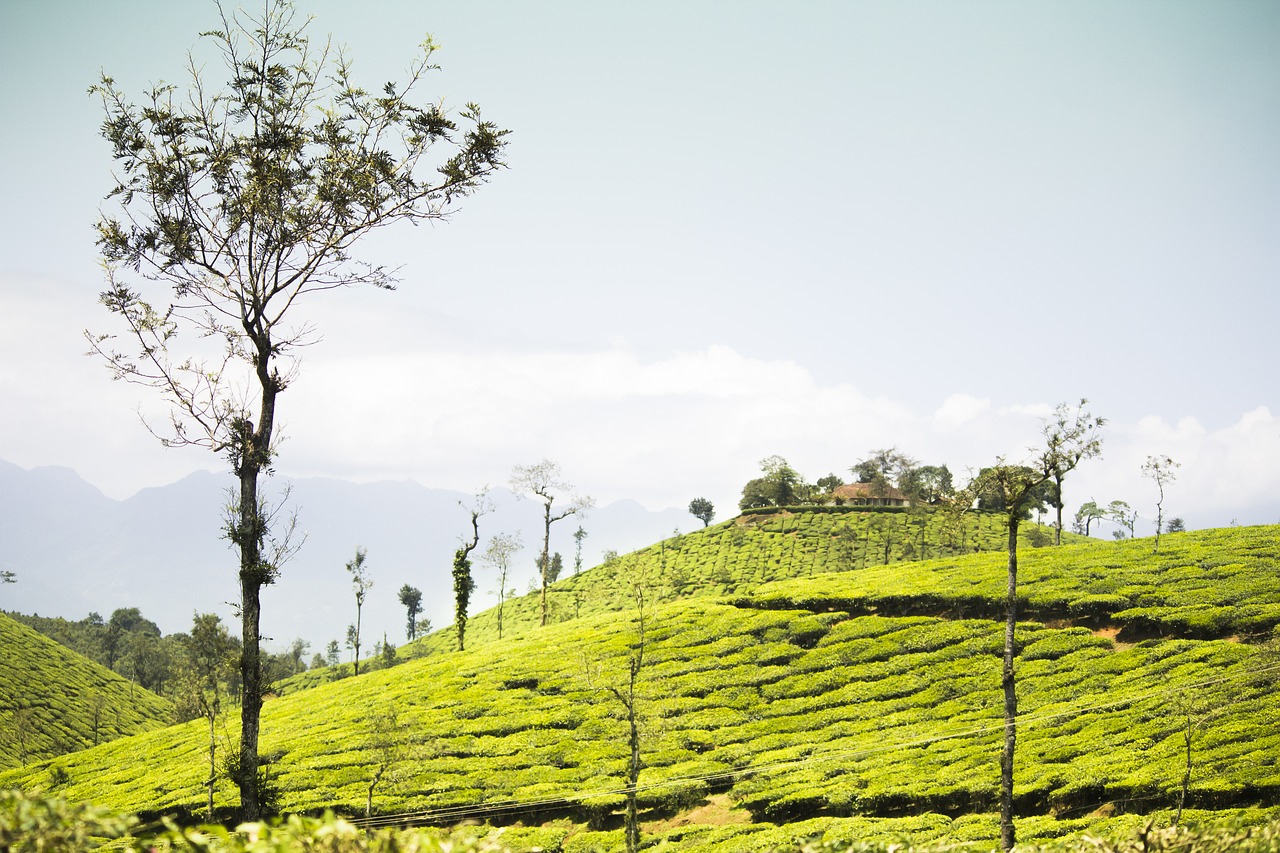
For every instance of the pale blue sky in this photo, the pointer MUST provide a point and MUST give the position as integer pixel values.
(730, 230)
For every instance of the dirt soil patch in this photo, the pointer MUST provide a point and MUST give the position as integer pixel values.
(1111, 634)
(716, 810)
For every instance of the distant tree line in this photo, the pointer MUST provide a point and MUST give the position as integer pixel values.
(133, 647)
(884, 472)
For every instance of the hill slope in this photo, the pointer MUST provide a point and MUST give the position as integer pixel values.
(831, 704)
(737, 556)
(55, 701)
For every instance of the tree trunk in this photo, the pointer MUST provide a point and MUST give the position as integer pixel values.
(250, 456)
(368, 803)
(1186, 776)
(357, 666)
(1057, 534)
(213, 764)
(1007, 838)
(633, 769)
(544, 561)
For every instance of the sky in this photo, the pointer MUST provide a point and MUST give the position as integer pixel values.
(728, 230)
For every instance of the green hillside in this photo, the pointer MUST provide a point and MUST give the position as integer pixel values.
(54, 701)
(861, 703)
(738, 555)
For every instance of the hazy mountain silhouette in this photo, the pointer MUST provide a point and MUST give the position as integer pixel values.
(75, 550)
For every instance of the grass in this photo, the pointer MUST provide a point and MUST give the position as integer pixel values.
(54, 701)
(862, 702)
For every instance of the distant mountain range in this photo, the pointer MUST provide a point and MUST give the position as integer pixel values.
(75, 550)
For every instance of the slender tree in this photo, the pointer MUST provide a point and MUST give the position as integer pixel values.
(578, 536)
(1124, 515)
(360, 583)
(544, 480)
(1161, 470)
(1015, 488)
(232, 206)
(500, 554)
(1061, 433)
(209, 667)
(629, 698)
(411, 598)
(388, 748)
(463, 583)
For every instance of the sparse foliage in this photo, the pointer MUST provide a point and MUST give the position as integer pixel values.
(1125, 516)
(1162, 471)
(1070, 438)
(210, 666)
(463, 583)
(234, 205)
(361, 583)
(500, 554)
(578, 536)
(544, 480)
(387, 742)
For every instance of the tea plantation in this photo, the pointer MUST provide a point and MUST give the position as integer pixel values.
(54, 701)
(791, 689)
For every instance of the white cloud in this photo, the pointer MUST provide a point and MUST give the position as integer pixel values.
(657, 429)
(959, 409)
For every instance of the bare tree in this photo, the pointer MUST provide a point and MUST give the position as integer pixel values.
(544, 480)
(629, 698)
(233, 206)
(1015, 488)
(500, 554)
(463, 583)
(388, 747)
(1161, 470)
(360, 583)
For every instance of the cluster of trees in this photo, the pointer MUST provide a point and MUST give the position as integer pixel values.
(1162, 471)
(883, 470)
(133, 646)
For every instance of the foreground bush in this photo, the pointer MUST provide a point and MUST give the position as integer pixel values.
(1217, 839)
(36, 825)
(30, 824)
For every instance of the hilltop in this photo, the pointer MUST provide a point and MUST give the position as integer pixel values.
(857, 703)
(55, 701)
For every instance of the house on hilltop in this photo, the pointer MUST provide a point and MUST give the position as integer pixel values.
(865, 494)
